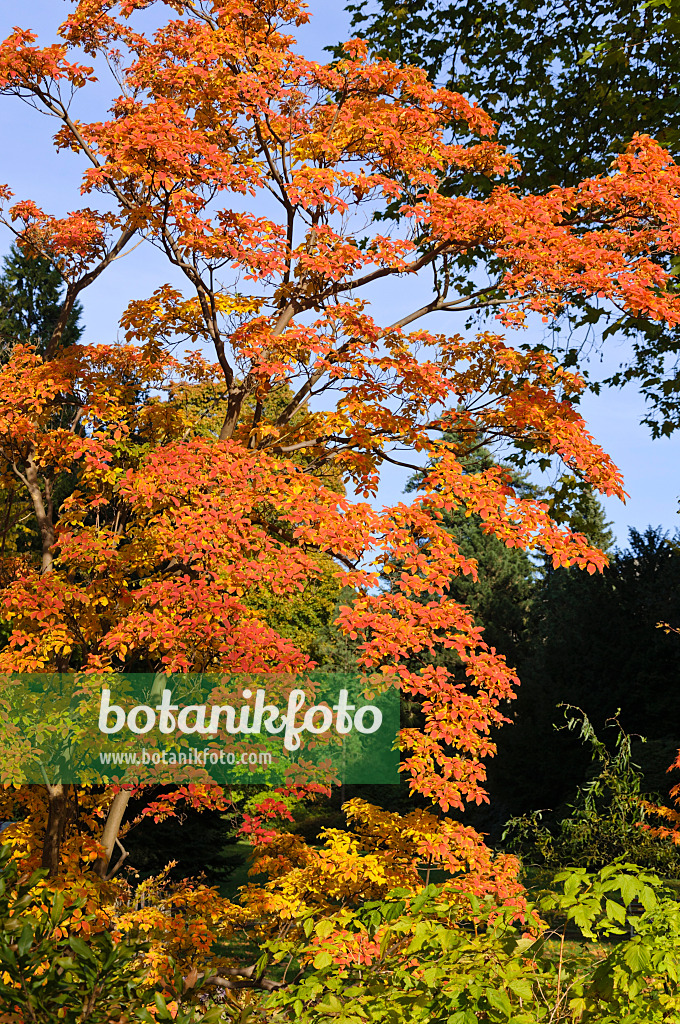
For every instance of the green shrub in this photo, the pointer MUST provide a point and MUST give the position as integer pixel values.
(438, 960)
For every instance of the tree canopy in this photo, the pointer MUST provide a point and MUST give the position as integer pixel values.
(569, 84)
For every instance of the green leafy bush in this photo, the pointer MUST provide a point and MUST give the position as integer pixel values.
(440, 960)
(441, 957)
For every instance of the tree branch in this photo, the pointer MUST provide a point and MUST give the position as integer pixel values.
(42, 514)
(75, 287)
(441, 304)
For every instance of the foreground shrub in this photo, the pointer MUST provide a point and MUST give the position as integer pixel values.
(444, 960)
(605, 949)
(608, 820)
(48, 973)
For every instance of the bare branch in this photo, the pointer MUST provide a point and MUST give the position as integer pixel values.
(455, 305)
(395, 462)
(303, 395)
(74, 289)
(235, 978)
(377, 275)
(119, 863)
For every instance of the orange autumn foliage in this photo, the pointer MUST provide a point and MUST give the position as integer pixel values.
(252, 168)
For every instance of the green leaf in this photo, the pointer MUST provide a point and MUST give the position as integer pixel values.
(628, 888)
(25, 940)
(7, 956)
(80, 947)
(322, 960)
(162, 1007)
(522, 987)
(431, 976)
(331, 1004)
(57, 908)
(637, 957)
(572, 884)
(214, 1016)
(394, 910)
(500, 1001)
(420, 934)
(648, 898)
(616, 911)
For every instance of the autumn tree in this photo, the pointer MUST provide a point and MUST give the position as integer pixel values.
(257, 174)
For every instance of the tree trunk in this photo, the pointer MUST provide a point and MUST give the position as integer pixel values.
(43, 508)
(111, 830)
(120, 801)
(60, 810)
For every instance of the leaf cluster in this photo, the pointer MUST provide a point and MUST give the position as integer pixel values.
(48, 972)
(569, 84)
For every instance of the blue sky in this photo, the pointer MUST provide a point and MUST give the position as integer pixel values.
(32, 169)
